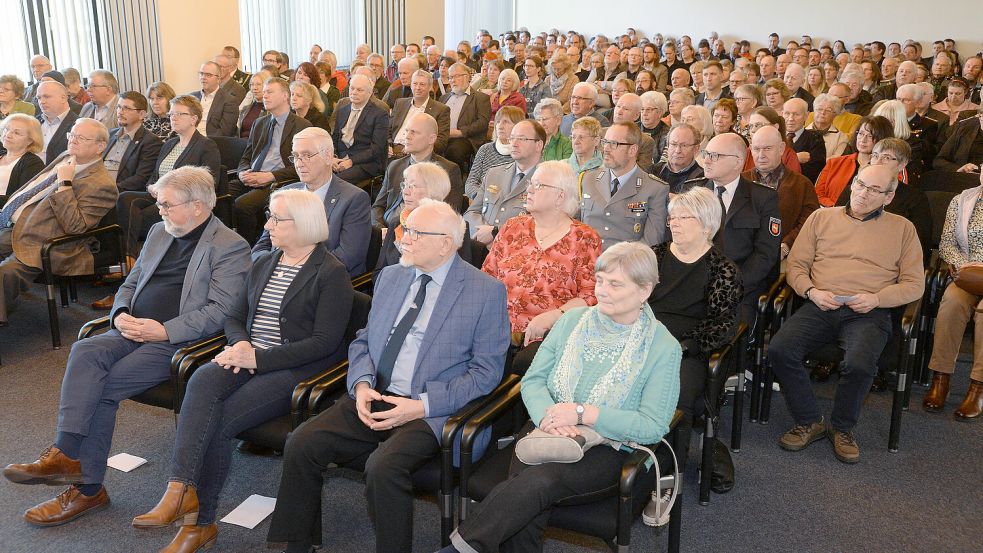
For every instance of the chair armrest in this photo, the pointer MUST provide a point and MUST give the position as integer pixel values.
(300, 399)
(636, 461)
(765, 300)
(488, 414)
(909, 318)
(69, 238)
(206, 346)
(363, 281)
(458, 420)
(331, 381)
(93, 326)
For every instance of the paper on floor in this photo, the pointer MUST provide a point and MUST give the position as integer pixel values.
(125, 462)
(251, 512)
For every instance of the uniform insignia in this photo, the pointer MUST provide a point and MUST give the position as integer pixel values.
(775, 226)
(493, 189)
(637, 228)
(637, 208)
(333, 200)
(586, 196)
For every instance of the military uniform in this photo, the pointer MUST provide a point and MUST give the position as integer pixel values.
(635, 213)
(495, 203)
(242, 78)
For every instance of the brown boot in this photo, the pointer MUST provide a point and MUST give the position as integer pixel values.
(935, 398)
(53, 468)
(192, 538)
(179, 505)
(972, 406)
(105, 304)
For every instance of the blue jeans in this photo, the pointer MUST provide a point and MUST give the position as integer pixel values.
(218, 406)
(861, 336)
(102, 371)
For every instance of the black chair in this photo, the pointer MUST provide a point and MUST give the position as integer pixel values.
(763, 330)
(938, 273)
(230, 150)
(609, 518)
(107, 252)
(363, 282)
(273, 433)
(786, 303)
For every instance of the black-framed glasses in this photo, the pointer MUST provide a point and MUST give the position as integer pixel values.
(678, 219)
(860, 186)
(614, 143)
(522, 139)
(877, 156)
(178, 114)
(714, 156)
(414, 234)
(165, 207)
(204, 74)
(276, 220)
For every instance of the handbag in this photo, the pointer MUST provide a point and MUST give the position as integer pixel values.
(538, 446)
(970, 279)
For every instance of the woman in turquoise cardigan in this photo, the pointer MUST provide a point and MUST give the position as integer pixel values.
(613, 367)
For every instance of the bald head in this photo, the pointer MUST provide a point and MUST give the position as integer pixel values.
(52, 98)
(629, 108)
(872, 189)
(906, 73)
(730, 152)
(425, 123)
(767, 148)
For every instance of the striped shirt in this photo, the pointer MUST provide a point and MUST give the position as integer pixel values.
(265, 332)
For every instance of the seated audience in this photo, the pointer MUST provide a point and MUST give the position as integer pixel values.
(846, 121)
(620, 200)
(73, 82)
(858, 101)
(220, 109)
(918, 131)
(827, 108)
(586, 346)
(815, 81)
(960, 248)
(697, 297)
(19, 162)
(252, 108)
(506, 93)
(866, 263)
(654, 108)
(963, 150)
(680, 168)
(401, 87)
(724, 116)
(266, 159)
(161, 307)
(549, 114)
(699, 117)
(132, 151)
(809, 145)
(795, 77)
(583, 102)
(345, 205)
(494, 153)
(955, 102)
(305, 101)
(796, 194)
(158, 122)
(419, 102)
(585, 140)
(56, 119)
(329, 92)
(713, 85)
(421, 136)
(762, 117)
(401, 389)
(679, 99)
(545, 258)
(226, 68)
(909, 200)
(103, 91)
(776, 94)
(835, 179)
(11, 90)
(287, 325)
(39, 66)
(621, 86)
(469, 117)
(561, 78)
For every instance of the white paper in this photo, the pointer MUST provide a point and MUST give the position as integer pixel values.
(251, 512)
(125, 462)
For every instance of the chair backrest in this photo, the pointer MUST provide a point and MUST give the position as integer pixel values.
(938, 203)
(359, 316)
(375, 247)
(230, 149)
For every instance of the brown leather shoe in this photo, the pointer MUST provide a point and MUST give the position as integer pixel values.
(972, 406)
(935, 398)
(179, 505)
(192, 538)
(53, 468)
(845, 446)
(801, 435)
(105, 304)
(67, 507)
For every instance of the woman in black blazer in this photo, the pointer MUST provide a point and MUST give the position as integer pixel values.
(22, 140)
(288, 324)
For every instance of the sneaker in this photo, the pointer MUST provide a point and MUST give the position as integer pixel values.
(844, 446)
(801, 435)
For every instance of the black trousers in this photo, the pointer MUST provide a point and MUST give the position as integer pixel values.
(339, 436)
(692, 397)
(459, 151)
(250, 205)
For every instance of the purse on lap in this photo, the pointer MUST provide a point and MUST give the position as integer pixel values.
(538, 446)
(970, 279)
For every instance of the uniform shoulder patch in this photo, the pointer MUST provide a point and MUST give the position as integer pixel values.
(775, 226)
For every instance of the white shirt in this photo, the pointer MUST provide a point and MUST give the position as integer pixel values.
(401, 134)
(48, 129)
(730, 190)
(206, 106)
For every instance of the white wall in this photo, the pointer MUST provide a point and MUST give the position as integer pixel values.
(849, 20)
(424, 17)
(191, 33)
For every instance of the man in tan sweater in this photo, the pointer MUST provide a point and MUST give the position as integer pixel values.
(852, 264)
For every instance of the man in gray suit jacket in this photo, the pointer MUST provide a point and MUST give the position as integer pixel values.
(346, 205)
(183, 286)
(103, 91)
(219, 105)
(470, 114)
(436, 339)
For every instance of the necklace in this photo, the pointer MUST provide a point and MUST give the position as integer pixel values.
(542, 240)
(298, 263)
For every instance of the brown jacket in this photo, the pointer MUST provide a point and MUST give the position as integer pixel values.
(796, 201)
(66, 211)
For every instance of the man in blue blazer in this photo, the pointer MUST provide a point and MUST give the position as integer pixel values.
(182, 288)
(360, 134)
(346, 205)
(436, 339)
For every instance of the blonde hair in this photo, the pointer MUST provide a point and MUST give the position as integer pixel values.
(310, 92)
(307, 211)
(33, 130)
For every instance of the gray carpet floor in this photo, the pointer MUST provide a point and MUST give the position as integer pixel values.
(924, 498)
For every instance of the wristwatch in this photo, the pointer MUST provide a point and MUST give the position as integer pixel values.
(580, 413)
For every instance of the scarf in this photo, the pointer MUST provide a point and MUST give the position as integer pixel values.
(398, 231)
(503, 149)
(557, 84)
(598, 339)
(964, 210)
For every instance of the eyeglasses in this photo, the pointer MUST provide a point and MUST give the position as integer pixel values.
(755, 126)
(458, 75)
(413, 234)
(268, 61)
(90, 86)
(859, 186)
(121, 107)
(741, 99)
(614, 144)
(13, 132)
(537, 186)
(79, 137)
(679, 219)
(522, 139)
(714, 156)
(204, 74)
(178, 114)
(165, 207)
(680, 145)
(294, 157)
(408, 186)
(582, 98)
(886, 157)
(276, 220)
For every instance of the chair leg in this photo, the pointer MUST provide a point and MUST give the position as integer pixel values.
(738, 422)
(901, 395)
(676, 515)
(767, 385)
(73, 290)
(755, 385)
(706, 466)
(63, 292)
(53, 317)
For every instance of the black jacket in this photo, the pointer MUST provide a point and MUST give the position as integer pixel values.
(955, 152)
(26, 168)
(139, 160)
(811, 141)
(59, 140)
(200, 152)
(313, 313)
(258, 136)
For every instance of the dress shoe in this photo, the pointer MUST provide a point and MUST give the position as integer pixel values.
(972, 406)
(179, 505)
(53, 468)
(937, 393)
(192, 538)
(105, 304)
(68, 506)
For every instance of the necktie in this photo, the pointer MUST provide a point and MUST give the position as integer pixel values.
(615, 184)
(348, 133)
(790, 136)
(384, 370)
(720, 197)
(261, 158)
(516, 181)
(8, 210)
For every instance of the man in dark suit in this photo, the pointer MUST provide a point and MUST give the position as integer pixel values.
(131, 154)
(380, 85)
(226, 66)
(751, 234)
(436, 339)
(470, 114)
(421, 135)
(795, 77)
(221, 110)
(266, 159)
(56, 119)
(39, 66)
(360, 132)
(346, 205)
(400, 88)
(182, 288)
(420, 102)
(809, 145)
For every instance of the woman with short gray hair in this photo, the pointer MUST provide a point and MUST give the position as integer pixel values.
(698, 294)
(826, 108)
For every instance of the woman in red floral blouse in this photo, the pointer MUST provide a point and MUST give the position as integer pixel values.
(546, 258)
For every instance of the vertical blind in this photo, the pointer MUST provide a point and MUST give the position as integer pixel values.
(463, 19)
(131, 44)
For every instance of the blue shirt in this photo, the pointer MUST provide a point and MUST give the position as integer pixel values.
(321, 192)
(273, 161)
